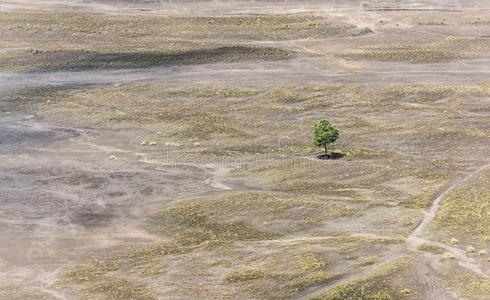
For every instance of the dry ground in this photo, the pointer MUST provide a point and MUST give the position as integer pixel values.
(153, 151)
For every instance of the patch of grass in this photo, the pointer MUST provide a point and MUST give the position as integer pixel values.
(246, 213)
(119, 289)
(412, 53)
(422, 200)
(284, 95)
(433, 52)
(453, 241)
(144, 260)
(448, 256)
(350, 177)
(309, 262)
(379, 285)
(202, 125)
(420, 93)
(297, 176)
(190, 225)
(214, 91)
(76, 60)
(246, 275)
(468, 285)
(183, 113)
(432, 249)
(313, 279)
(147, 260)
(253, 27)
(287, 276)
(40, 94)
(98, 278)
(90, 272)
(464, 212)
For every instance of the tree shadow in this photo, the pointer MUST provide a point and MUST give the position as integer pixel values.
(331, 156)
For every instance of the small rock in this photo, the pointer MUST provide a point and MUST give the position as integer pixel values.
(482, 252)
(152, 143)
(470, 249)
(113, 157)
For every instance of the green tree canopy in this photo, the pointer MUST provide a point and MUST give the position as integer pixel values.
(324, 134)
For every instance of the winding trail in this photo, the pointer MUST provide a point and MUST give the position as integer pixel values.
(414, 240)
(431, 213)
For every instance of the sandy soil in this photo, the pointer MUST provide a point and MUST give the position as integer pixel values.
(132, 166)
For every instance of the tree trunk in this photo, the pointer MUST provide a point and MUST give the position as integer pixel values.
(325, 149)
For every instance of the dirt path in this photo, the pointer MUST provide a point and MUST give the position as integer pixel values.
(431, 213)
(414, 241)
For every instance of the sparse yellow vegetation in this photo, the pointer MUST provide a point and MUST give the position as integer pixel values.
(228, 99)
(448, 256)
(465, 211)
(217, 218)
(380, 284)
(368, 261)
(432, 249)
(310, 262)
(444, 50)
(289, 276)
(247, 275)
(97, 280)
(118, 289)
(468, 285)
(191, 225)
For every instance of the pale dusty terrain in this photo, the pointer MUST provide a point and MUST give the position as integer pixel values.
(162, 150)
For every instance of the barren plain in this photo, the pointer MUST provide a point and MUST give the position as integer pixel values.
(163, 149)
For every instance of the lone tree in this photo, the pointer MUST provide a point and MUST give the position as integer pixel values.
(324, 134)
